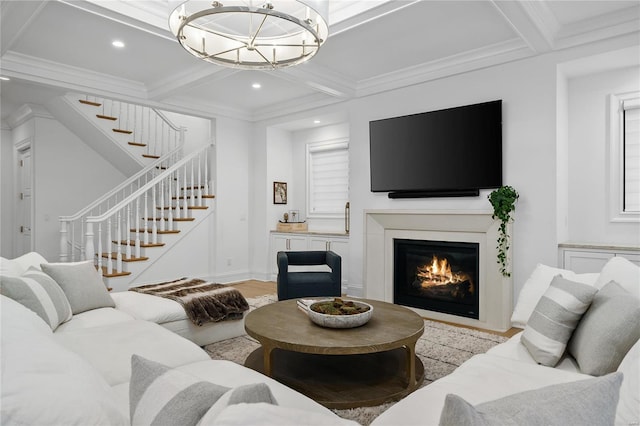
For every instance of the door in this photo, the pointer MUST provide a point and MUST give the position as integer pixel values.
(24, 202)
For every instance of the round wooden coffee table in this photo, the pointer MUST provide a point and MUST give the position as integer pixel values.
(339, 368)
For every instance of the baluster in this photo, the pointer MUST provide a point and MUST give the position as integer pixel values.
(192, 182)
(135, 123)
(128, 255)
(119, 234)
(145, 235)
(162, 228)
(100, 248)
(120, 119)
(170, 212)
(73, 242)
(109, 254)
(155, 144)
(149, 132)
(64, 242)
(185, 204)
(206, 172)
(128, 124)
(138, 224)
(154, 227)
(199, 190)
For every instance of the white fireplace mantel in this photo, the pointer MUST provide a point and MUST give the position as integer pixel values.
(383, 226)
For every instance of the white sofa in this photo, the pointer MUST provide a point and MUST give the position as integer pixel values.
(507, 370)
(81, 372)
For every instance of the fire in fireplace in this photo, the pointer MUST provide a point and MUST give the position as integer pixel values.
(439, 276)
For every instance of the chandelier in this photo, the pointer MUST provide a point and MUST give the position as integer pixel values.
(250, 35)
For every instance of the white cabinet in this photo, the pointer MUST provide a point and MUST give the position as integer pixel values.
(289, 241)
(583, 258)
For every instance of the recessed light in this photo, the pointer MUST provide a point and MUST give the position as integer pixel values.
(117, 43)
(3, 78)
(316, 121)
(256, 85)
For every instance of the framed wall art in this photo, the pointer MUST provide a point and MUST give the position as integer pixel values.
(279, 192)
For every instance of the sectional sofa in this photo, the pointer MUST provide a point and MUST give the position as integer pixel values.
(75, 359)
(103, 366)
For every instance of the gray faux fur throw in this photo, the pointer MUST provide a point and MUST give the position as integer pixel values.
(202, 301)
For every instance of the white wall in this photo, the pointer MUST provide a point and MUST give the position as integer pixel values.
(198, 132)
(280, 164)
(6, 193)
(230, 259)
(68, 175)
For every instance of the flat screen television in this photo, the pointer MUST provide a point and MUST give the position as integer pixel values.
(450, 152)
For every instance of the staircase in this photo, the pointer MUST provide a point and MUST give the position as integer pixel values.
(133, 226)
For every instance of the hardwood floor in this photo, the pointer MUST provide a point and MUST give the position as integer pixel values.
(255, 288)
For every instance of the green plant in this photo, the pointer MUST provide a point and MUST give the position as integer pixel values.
(503, 201)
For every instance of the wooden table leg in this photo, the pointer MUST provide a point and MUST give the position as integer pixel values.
(267, 350)
(411, 366)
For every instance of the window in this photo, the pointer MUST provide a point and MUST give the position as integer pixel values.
(631, 156)
(327, 179)
(624, 157)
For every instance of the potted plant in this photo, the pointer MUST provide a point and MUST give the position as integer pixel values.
(503, 201)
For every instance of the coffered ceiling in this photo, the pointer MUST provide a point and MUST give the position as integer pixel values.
(49, 47)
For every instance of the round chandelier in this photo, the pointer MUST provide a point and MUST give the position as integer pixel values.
(251, 35)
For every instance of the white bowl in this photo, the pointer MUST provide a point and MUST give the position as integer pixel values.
(341, 321)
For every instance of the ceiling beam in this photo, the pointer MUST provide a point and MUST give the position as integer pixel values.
(534, 23)
(15, 18)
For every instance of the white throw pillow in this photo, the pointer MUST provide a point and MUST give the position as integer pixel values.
(39, 292)
(622, 271)
(82, 285)
(19, 265)
(536, 285)
(555, 317)
(20, 322)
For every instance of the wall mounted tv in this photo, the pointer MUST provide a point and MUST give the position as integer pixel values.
(446, 153)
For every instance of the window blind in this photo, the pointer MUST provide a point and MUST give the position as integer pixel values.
(328, 175)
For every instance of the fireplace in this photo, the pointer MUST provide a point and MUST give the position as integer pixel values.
(440, 276)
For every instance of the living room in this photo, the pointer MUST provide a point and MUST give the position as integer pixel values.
(556, 141)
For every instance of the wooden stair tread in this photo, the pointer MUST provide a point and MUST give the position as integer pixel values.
(137, 144)
(150, 156)
(166, 231)
(191, 196)
(82, 101)
(133, 243)
(126, 132)
(198, 207)
(106, 117)
(175, 219)
(114, 274)
(114, 255)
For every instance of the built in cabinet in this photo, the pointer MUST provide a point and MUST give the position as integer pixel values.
(583, 258)
(309, 241)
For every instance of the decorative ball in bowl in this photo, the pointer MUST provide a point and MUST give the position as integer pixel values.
(339, 313)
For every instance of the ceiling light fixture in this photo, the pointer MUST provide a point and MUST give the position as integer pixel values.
(3, 78)
(256, 85)
(117, 43)
(249, 34)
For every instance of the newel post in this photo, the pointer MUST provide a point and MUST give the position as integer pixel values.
(89, 247)
(64, 242)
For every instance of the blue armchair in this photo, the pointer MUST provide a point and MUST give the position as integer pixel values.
(293, 285)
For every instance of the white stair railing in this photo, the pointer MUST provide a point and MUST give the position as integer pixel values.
(149, 126)
(73, 228)
(166, 188)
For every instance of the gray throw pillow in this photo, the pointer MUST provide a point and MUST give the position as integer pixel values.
(585, 402)
(554, 318)
(607, 331)
(39, 292)
(82, 285)
(160, 395)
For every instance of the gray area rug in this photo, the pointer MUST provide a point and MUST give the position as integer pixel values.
(442, 348)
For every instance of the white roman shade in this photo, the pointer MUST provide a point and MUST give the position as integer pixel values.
(327, 178)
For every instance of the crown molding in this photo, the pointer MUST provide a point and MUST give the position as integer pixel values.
(498, 53)
(42, 71)
(294, 106)
(25, 113)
